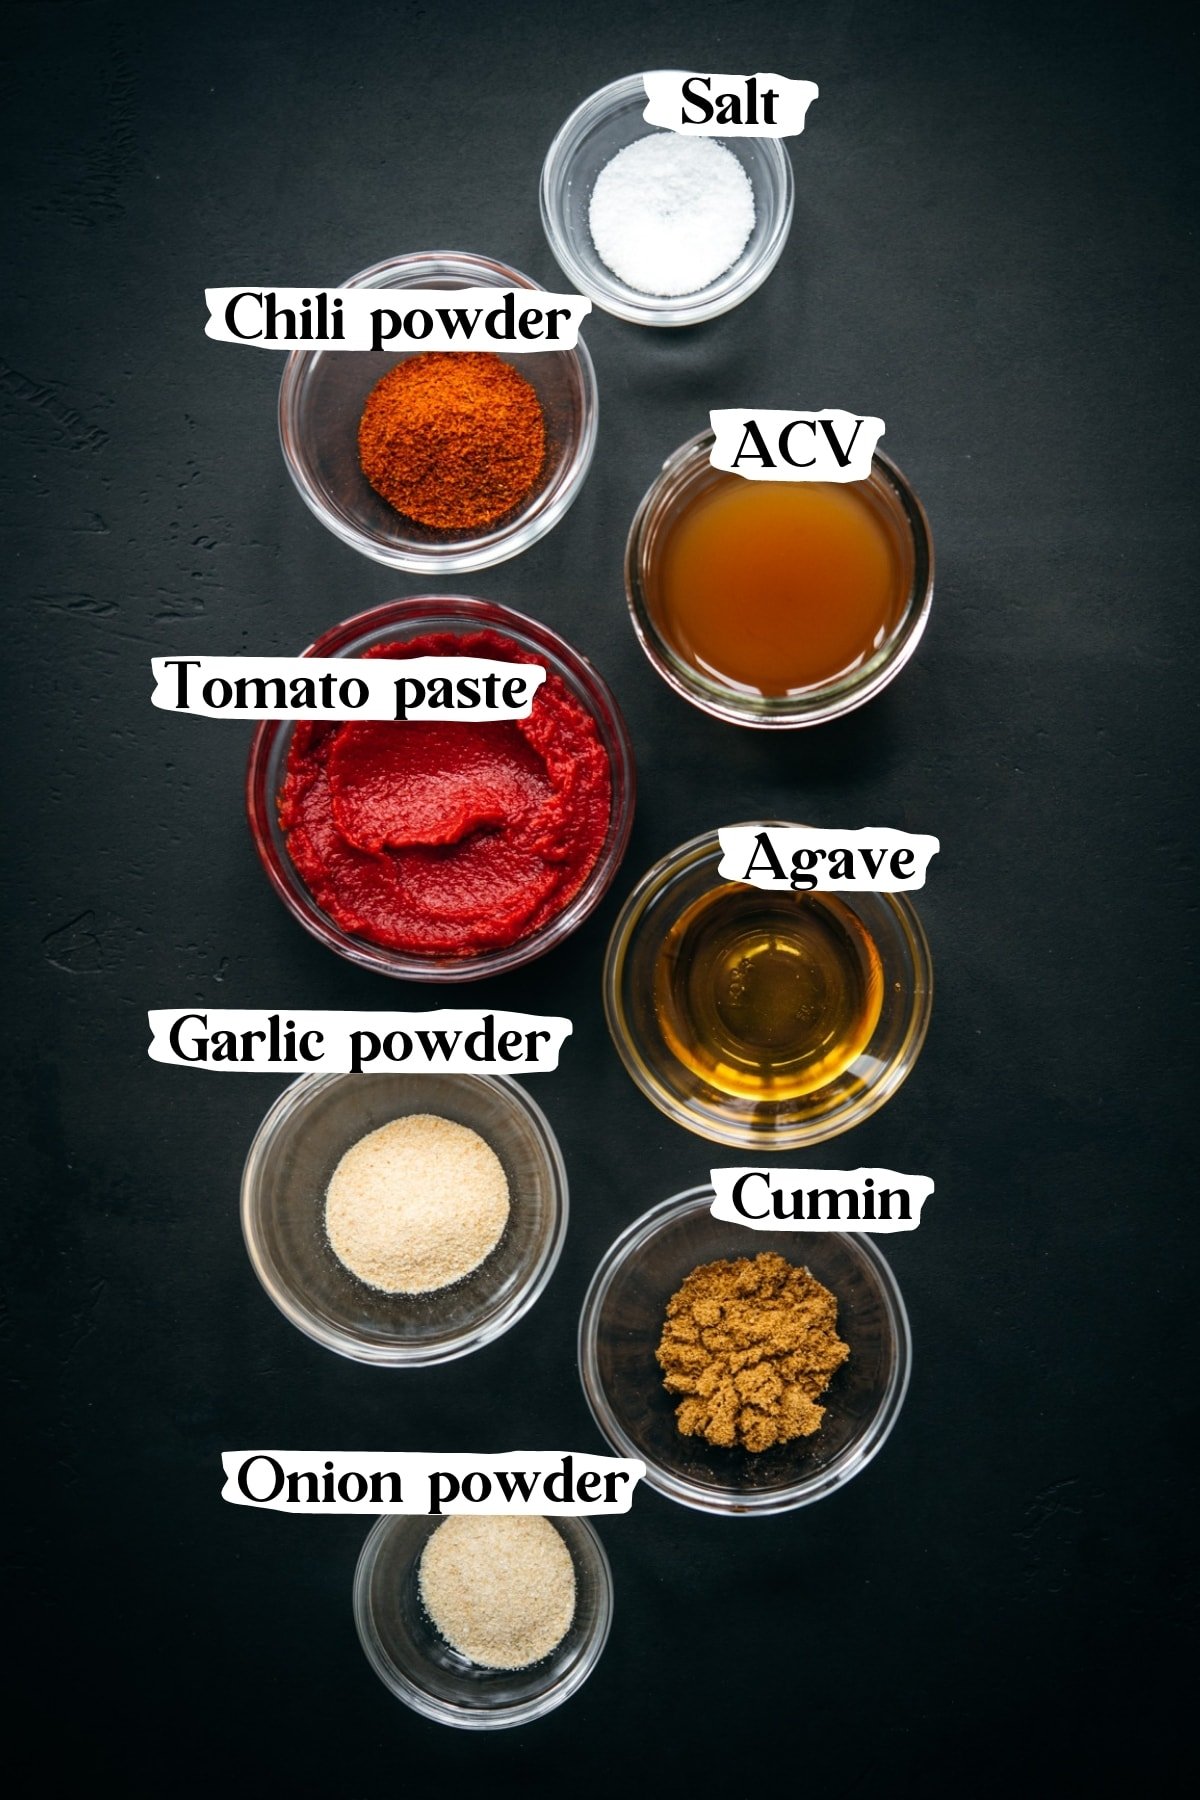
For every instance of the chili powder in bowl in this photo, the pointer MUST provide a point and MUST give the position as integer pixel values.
(453, 440)
(438, 461)
(447, 851)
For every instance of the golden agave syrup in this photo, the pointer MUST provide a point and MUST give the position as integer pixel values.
(767, 996)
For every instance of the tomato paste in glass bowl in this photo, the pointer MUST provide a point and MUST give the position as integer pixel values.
(446, 851)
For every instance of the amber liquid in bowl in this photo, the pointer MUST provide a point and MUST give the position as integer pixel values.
(767, 996)
(779, 587)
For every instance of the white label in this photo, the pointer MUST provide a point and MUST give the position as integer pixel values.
(801, 860)
(728, 106)
(875, 1200)
(345, 1043)
(794, 446)
(548, 1482)
(522, 319)
(370, 687)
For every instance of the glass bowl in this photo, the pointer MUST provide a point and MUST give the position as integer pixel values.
(620, 1328)
(420, 1667)
(684, 477)
(295, 1151)
(322, 395)
(398, 621)
(658, 901)
(604, 124)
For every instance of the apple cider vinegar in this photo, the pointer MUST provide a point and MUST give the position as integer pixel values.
(777, 587)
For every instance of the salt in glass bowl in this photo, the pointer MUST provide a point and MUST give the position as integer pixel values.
(295, 1152)
(322, 395)
(664, 893)
(684, 477)
(397, 622)
(606, 123)
(621, 1325)
(412, 1659)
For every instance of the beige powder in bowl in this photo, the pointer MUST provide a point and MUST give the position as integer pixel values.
(500, 1589)
(416, 1205)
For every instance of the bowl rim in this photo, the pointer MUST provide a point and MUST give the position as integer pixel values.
(833, 699)
(444, 1712)
(778, 1139)
(472, 613)
(298, 1096)
(624, 302)
(490, 547)
(688, 1203)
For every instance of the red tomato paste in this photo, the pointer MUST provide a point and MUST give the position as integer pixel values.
(451, 838)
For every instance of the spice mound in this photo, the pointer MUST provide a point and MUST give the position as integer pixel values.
(452, 838)
(416, 1205)
(752, 1345)
(500, 1589)
(668, 214)
(452, 440)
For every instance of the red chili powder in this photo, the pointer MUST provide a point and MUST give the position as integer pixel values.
(452, 440)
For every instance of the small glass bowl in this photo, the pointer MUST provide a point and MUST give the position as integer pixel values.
(656, 903)
(685, 475)
(621, 1325)
(322, 395)
(295, 1152)
(420, 1667)
(398, 621)
(604, 124)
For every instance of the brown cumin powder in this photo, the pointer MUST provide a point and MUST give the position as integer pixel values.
(751, 1344)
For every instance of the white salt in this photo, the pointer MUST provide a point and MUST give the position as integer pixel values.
(669, 214)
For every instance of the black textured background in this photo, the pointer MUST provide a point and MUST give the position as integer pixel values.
(990, 251)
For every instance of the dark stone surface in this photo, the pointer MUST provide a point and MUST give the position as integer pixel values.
(989, 251)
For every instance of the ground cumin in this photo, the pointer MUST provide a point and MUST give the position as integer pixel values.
(751, 1344)
(452, 440)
